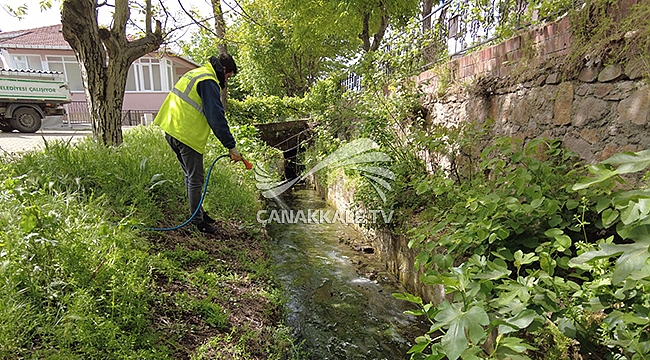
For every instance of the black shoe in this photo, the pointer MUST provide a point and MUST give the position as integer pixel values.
(204, 227)
(208, 219)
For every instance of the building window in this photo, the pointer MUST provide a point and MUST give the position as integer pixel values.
(27, 62)
(149, 74)
(67, 65)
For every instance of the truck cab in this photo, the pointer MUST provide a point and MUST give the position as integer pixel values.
(28, 96)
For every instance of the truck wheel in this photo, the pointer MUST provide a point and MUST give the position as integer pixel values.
(26, 120)
(5, 127)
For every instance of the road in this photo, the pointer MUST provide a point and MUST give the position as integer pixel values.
(15, 142)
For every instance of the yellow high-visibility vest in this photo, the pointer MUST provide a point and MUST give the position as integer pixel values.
(181, 114)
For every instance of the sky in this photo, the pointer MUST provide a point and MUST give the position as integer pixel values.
(37, 18)
(34, 18)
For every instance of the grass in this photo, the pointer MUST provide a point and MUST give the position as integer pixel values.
(77, 282)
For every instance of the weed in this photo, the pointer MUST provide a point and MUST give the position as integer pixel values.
(78, 282)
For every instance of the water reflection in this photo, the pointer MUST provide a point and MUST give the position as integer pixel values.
(337, 311)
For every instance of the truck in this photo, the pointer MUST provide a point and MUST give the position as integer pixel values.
(28, 96)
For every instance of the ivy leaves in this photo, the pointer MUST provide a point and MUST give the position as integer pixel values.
(520, 251)
(463, 327)
(632, 257)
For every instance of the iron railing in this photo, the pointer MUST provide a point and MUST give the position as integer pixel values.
(456, 27)
(77, 113)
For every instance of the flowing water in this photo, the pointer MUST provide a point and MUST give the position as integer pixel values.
(339, 300)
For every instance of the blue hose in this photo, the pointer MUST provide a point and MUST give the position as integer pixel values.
(205, 189)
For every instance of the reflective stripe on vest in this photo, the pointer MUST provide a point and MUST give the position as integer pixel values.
(185, 95)
(181, 114)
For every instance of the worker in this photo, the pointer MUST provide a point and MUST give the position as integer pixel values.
(188, 114)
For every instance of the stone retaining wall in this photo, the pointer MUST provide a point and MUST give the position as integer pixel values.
(602, 111)
(593, 119)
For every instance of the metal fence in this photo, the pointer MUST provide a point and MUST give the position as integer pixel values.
(456, 27)
(77, 113)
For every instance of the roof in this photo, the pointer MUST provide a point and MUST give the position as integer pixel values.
(50, 37)
(27, 71)
(46, 37)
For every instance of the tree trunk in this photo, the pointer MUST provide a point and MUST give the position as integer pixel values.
(222, 47)
(377, 37)
(427, 7)
(104, 57)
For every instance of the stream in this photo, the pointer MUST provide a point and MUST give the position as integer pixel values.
(339, 299)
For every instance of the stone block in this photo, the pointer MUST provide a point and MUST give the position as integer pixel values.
(611, 73)
(520, 111)
(589, 135)
(493, 108)
(564, 25)
(618, 93)
(513, 44)
(580, 147)
(563, 104)
(602, 90)
(634, 109)
(588, 74)
(608, 151)
(590, 109)
(636, 69)
(584, 90)
(553, 78)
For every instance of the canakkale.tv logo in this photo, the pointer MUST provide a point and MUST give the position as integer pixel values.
(360, 155)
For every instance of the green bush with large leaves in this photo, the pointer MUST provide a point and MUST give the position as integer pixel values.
(537, 259)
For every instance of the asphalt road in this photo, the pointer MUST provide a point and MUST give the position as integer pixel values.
(14, 143)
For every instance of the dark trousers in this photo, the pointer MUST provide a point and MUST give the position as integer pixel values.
(192, 164)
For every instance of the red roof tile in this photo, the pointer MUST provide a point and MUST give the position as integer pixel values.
(46, 37)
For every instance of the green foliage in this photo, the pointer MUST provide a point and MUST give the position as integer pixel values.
(555, 344)
(281, 51)
(202, 46)
(76, 280)
(523, 248)
(266, 109)
(605, 32)
(286, 46)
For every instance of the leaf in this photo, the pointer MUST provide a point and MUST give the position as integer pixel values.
(602, 173)
(460, 323)
(630, 162)
(515, 344)
(417, 348)
(408, 297)
(155, 177)
(519, 321)
(609, 216)
(630, 213)
(143, 165)
(551, 233)
(562, 241)
(513, 290)
(414, 312)
(28, 223)
(422, 188)
(493, 274)
(633, 257)
(567, 327)
(603, 203)
(158, 183)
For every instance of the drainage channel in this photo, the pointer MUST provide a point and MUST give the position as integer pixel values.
(339, 299)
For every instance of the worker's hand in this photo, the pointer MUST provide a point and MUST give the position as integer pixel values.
(234, 154)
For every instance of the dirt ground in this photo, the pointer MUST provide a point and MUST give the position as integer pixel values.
(242, 298)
